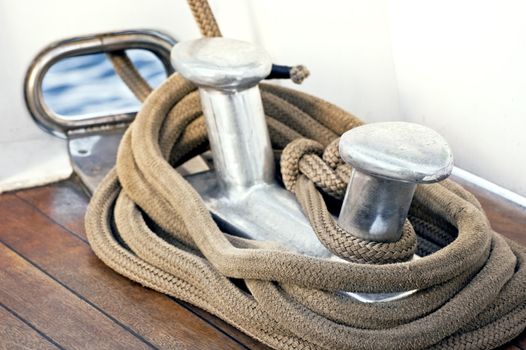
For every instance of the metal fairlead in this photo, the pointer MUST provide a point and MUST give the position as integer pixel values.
(92, 140)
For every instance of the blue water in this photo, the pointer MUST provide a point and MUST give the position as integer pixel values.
(87, 85)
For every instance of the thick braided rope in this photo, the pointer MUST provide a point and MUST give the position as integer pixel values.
(477, 279)
(204, 18)
(325, 169)
(323, 166)
(128, 73)
(345, 244)
(471, 284)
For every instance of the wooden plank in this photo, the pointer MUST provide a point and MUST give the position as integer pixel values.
(506, 218)
(17, 335)
(49, 200)
(230, 330)
(69, 260)
(58, 313)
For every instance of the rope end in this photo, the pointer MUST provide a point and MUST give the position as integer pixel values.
(299, 73)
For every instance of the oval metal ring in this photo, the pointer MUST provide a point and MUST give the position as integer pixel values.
(157, 42)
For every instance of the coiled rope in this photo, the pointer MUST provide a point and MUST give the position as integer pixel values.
(148, 224)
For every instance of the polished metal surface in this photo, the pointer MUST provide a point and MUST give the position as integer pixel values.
(93, 155)
(263, 212)
(157, 42)
(388, 160)
(375, 208)
(239, 138)
(398, 151)
(204, 62)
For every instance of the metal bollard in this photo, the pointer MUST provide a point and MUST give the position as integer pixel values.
(241, 191)
(388, 160)
(232, 106)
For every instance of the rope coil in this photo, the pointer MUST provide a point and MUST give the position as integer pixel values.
(173, 245)
(148, 224)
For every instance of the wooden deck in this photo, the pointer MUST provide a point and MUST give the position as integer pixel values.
(54, 292)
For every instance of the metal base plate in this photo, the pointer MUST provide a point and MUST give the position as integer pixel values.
(93, 155)
(264, 212)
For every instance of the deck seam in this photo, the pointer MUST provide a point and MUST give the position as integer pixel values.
(32, 326)
(79, 296)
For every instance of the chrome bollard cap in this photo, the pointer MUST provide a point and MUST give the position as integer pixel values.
(220, 63)
(399, 151)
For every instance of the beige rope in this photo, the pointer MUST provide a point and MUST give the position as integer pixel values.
(147, 223)
(299, 73)
(188, 257)
(204, 18)
(128, 73)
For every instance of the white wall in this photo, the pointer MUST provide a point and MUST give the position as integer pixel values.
(455, 66)
(461, 69)
(345, 45)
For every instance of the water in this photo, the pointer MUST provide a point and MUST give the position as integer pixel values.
(87, 85)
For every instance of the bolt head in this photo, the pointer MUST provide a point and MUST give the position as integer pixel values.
(399, 151)
(220, 63)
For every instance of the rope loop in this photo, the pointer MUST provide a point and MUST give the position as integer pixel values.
(291, 157)
(322, 166)
(305, 163)
(347, 245)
